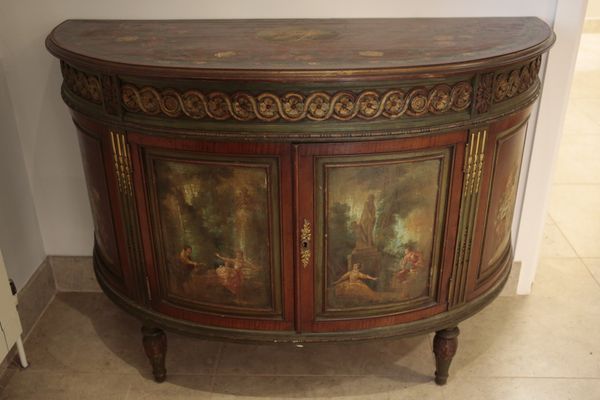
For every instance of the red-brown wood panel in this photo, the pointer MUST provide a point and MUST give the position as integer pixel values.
(353, 278)
(96, 153)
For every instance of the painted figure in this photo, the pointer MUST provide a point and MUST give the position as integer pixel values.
(185, 257)
(231, 274)
(231, 278)
(412, 259)
(185, 266)
(351, 284)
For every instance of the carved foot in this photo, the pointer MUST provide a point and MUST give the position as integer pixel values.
(155, 346)
(445, 344)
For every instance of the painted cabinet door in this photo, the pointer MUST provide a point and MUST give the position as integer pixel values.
(218, 225)
(372, 237)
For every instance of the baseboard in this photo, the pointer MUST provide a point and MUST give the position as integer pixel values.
(74, 274)
(591, 26)
(33, 299)
(35, 296)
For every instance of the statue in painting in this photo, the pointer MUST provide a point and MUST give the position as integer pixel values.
(367, 220)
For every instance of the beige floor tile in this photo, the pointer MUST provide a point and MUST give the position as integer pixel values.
(578, 160)
(411, 359)
(578, 122)
(591, 107)
(586, 85)
(543, 335)
(593, 265)
(522, 389)
(588, 58)
(554, 243)
(576, 211)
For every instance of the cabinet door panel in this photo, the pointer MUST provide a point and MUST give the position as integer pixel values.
(217, 222)
(508, 154)
(379, 217)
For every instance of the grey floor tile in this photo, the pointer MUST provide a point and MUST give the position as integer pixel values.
(44, 385)
(522, 389)
(410, 358)
(177, 387)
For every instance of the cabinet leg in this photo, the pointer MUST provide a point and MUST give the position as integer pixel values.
(445, 344)
(155, 346)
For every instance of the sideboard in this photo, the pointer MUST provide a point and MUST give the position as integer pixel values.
(302, 180)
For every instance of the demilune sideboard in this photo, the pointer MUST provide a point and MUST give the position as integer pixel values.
(302, 180)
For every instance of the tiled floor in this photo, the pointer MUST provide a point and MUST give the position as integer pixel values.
(544, 346)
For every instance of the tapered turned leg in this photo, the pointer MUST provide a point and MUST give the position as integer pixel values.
(445, 344)
(155, 346)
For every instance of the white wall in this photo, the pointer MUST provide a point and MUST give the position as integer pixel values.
(20, 238)
(559, 70)
(47, 137)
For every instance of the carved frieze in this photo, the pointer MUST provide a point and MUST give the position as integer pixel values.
(294, 106)
(345, 105)
(508, 84)
(83, 85)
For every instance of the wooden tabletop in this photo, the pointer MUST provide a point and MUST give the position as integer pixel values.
(261, 48)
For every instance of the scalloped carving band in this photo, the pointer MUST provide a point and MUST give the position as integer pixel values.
(83, 85)
(510, 83)
(292, 106)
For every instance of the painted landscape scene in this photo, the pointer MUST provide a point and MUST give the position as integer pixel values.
(215, 227)
(380, 232)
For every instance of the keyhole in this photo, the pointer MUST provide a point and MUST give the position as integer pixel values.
(304, 244)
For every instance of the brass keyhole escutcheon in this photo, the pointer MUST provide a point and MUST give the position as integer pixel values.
(305, 236)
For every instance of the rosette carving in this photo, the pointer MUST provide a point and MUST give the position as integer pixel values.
(292, 106)
(483, 98)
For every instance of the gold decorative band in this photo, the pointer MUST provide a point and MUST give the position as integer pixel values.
(472, 172)
(122, 160)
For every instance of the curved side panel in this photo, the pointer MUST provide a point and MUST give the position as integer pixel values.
(505, 179)
(104, 230)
